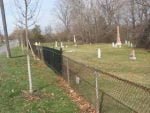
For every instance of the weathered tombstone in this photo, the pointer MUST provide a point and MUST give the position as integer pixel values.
(74, 40)
(36, 43)
(132, 55)
(113, 44)
(61, 45)
(118, 43)
(77, 80)
(129, 44)
(126, 42)
(99, 53)
(56, 44)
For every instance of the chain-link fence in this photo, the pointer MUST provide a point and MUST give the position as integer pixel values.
(106, 92)
(114, 94)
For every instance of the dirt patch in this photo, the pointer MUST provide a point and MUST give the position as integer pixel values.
(85, 106)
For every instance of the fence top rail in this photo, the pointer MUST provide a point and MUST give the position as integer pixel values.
(52, 50)
(146, 89)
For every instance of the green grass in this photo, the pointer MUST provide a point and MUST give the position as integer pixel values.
(14, 80)
(115, 61)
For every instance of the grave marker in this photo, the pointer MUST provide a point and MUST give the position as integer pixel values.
(132, 55)
(61, 45)
(99, 53)
(77, 80)
(126, 42)
(36, 43)
(56, 44)
(74, 40)
(113, 44)
(129, 44)
(118, 43)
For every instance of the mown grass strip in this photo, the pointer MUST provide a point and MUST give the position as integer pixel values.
(48, 97)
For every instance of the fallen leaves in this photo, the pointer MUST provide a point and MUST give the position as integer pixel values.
(85, 106)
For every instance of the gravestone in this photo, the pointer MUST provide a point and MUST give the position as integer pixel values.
(56, 44)
(129, 44)
(113, 44)
(39, 43)
(118, 43)
(126, 42)
(77, 80)
(132, 55)
(74, 40)
(99, 53)
(36, 43)
(61, 45)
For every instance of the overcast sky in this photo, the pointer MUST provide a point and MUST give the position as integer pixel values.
(45, 18)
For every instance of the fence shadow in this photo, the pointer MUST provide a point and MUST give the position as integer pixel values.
(19, 56)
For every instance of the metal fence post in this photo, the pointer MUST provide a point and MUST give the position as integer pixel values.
(68, 73)
(41, 53)
(101, 103)
(97, 92)
(38, 51)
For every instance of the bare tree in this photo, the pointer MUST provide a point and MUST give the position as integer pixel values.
(63, 13)
(143, 2)
(48, 31)
(96, 20)
(27, 16)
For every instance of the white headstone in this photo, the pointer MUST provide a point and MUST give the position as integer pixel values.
(61, 45)
(77, 80)
(74, 39)
(36, 43)
(113, 44)
(132, 55)
(99, 53)
(39, 43)
(126, 42)
(56, 44)
(131, 45)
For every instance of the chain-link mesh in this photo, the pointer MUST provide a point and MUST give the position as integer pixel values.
(115, 94)
(108, 93)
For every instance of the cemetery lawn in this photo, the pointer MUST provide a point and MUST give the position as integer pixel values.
(114, 60)
(48, 97)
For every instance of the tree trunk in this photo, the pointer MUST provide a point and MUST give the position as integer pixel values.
(5, 28)
(28, 56)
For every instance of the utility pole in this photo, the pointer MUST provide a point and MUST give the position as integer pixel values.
(5, 28)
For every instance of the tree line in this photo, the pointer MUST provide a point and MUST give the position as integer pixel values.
(95, 21)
